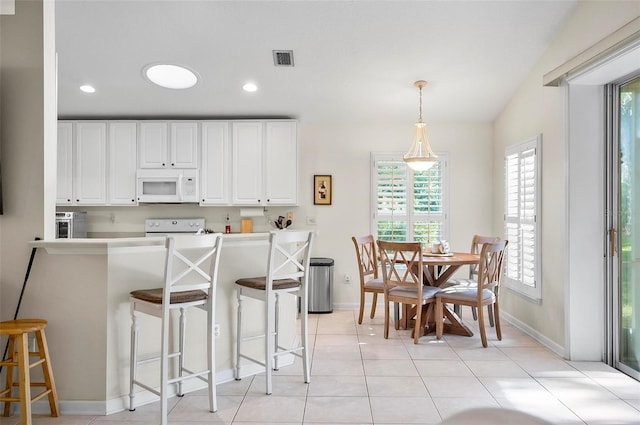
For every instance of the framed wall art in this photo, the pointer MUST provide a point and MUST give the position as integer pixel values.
(322, 189)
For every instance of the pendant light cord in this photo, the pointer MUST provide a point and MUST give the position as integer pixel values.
(420, 118)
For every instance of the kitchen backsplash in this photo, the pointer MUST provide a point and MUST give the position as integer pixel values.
(109, 222)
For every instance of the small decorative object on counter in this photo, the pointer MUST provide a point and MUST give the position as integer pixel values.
(246, 225)
(282, 223)
(227, 225)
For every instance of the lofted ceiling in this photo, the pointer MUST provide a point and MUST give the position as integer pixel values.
(355, 61)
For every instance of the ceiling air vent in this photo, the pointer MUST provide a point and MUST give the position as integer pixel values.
(283, 57)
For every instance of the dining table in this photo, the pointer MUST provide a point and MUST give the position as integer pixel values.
(437, 270)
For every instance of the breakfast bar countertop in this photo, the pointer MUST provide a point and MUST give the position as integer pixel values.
(102, 245)
(94, 245)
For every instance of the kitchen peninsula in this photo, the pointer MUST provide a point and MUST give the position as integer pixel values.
(81, 286)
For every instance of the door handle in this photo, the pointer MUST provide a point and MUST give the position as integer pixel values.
(612, 241)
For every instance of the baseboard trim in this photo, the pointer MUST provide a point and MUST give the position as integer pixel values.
(551, 345)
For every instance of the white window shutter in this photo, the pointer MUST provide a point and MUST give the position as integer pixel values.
(408, 205)
(391, 178)
(522, 224)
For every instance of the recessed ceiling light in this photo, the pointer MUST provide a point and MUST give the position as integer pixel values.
(87, 88)
(250, 87)
(171, 76)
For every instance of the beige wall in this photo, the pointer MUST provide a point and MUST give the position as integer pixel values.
(536, 109)
(21, 60)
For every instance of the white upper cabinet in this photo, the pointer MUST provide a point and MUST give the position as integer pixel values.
(122, 163)
(153, 145)
(64, 194)
(183, 152)
(265, 170)
(214, 170)
(168, 145)
(90, 174)
(247, 163)
(281, 163)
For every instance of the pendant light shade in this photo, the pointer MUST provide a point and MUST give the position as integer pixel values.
(420, 157)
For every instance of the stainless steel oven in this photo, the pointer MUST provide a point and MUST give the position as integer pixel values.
(71, 224)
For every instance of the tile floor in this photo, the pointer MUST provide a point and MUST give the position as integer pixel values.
(358, 377)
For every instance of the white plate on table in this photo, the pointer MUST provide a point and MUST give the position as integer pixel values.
(433, 254)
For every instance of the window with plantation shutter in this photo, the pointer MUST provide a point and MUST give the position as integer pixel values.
(522, 218)
(408, 205)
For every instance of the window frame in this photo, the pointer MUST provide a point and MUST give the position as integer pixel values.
(443, 159)
(532, 293)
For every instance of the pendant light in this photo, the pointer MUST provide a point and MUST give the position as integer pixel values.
(420, 157)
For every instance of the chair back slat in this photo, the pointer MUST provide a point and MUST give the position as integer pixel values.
(401, 264)
(191, 262)
(289, 256)
(476, 246)
(491, 267)
(366, 254)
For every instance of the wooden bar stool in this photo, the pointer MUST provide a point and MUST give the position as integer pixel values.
(18, 355)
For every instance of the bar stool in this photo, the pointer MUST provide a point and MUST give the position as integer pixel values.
(190, 280)
(19, 354)
(287, 273)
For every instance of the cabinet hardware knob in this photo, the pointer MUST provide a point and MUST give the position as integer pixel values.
(173, 164)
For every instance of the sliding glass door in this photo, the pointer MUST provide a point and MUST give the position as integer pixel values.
(625, 241)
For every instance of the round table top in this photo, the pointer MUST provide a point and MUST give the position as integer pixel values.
(458, 258)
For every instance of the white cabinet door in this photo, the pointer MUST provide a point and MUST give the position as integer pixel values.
(90, 148)
(168, 145)
(281, 163)
(64, 184)
(122, 163)
(153, 145)
(247, 163)
(214, 171)
(183, 150)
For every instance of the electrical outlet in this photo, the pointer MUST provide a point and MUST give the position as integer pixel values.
(347, 277)
(290, 215)
(311, 220)
(216, 330)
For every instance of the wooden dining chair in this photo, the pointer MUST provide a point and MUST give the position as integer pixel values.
(485, 293)
(370, 281)
(476, 245)
(402, 273)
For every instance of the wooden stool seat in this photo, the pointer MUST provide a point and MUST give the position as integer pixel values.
(19, 356)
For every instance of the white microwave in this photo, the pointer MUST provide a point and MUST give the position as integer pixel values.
(167, 186)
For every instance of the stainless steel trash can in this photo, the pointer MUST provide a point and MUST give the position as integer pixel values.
(321, 285)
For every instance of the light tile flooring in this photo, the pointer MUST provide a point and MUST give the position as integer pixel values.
(358, 377)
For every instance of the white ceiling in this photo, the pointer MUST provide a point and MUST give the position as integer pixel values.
(355, 61)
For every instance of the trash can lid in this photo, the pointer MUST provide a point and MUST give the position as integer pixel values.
(318, 261)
